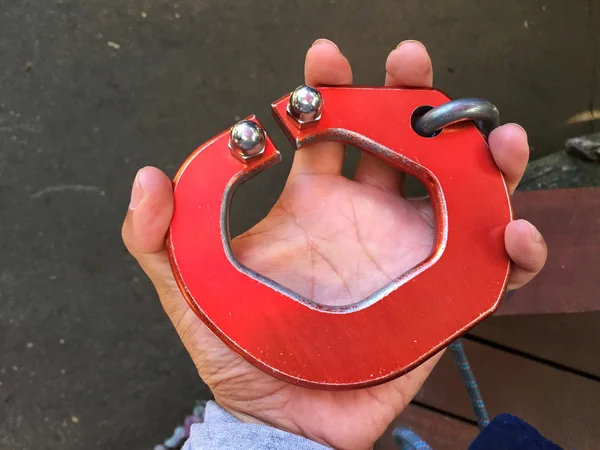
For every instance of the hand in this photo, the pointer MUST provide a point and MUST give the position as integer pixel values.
(322, 236)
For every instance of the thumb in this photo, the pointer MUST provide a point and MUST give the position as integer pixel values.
(149, 214)
(144, 231)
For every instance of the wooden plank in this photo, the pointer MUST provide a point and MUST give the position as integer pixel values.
(562, 406)
(569, 219)
(439, 431)
(571, 340)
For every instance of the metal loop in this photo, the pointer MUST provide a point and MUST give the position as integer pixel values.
(478, 109)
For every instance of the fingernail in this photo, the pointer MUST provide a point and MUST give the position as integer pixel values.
(519, 126)
(325, 42)
(136, 193)
(410, 41)
(536, 236)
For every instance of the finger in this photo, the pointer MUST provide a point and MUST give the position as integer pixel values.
(510, 151)
(144, 231)
(409, 65)
(150, 211)
(145, 228)
(324, 65)
(527, 250)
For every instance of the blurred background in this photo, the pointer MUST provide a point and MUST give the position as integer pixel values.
(90, 91)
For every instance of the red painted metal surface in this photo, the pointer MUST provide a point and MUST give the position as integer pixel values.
(403, 324)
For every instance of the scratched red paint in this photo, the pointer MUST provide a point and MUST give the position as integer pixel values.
(461, 283)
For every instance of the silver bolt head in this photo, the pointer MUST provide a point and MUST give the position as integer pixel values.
(247, 139)
(306, 104)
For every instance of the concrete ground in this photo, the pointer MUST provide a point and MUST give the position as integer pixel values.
(92, 90)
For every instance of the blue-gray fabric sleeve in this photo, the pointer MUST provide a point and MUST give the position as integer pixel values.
(220, 430)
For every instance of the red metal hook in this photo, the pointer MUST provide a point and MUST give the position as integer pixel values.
(401, 325)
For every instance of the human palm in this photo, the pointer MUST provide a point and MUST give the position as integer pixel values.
(335, 240)
(332, 240)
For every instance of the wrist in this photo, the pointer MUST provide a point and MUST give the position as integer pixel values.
(227, 427)
(242, 416)
(274, 420)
